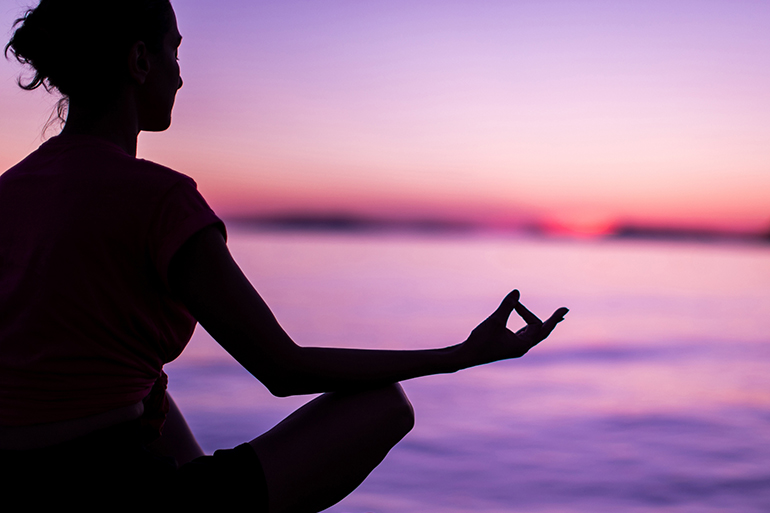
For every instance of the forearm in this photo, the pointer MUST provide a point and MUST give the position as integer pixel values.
(319, 369)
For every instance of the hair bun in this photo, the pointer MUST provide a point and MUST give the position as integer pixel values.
(75, 46)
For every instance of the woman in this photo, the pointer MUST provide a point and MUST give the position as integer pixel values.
(106, 264)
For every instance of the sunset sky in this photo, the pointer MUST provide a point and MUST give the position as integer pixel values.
(580, 113)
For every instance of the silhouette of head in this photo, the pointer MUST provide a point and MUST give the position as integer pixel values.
(80, 47)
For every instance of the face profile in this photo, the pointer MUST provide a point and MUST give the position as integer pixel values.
(163, 80)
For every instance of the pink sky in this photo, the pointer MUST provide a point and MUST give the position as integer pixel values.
(576, 112)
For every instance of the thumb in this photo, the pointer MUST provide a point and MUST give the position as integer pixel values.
(506, 307)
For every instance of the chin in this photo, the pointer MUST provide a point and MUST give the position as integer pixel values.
(157, 126)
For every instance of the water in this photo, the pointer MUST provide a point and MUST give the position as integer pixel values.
(653, 395)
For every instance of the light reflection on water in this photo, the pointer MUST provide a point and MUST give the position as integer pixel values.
(651, 396)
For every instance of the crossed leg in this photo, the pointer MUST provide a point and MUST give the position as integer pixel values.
(324, 450)
(320, 453)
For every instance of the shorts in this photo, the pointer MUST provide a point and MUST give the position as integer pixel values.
(111, 469)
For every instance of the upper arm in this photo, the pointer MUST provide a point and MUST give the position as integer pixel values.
(205, 277)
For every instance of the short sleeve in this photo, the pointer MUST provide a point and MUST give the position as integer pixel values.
(182, 213)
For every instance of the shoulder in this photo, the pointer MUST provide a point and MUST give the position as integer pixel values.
(87, 154)
(99, 165)
(160, 175)
(89, 176)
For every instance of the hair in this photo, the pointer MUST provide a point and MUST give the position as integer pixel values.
(78, 47)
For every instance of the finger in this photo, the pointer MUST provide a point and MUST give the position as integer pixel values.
(525, 314)
(552, 321)
(506, 307)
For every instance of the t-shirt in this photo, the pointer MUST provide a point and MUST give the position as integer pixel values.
(87, 320)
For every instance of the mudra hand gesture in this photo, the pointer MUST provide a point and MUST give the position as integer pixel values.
(492, 340)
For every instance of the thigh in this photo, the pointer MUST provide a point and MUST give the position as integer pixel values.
(324, 450)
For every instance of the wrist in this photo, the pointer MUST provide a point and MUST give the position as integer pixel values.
(457, 357)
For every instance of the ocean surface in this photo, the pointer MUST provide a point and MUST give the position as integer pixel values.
(652, 395)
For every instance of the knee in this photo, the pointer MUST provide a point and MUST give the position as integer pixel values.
(406, 410)
(399, 411)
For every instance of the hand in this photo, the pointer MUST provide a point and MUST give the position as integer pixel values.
(492, 340)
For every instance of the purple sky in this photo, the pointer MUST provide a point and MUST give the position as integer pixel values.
(580, 113)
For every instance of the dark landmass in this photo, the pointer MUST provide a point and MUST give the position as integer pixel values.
(669, 233)
(351, 223)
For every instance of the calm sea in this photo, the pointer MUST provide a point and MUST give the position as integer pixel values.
(653, 395)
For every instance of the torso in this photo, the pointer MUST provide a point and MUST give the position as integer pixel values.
(37, 436)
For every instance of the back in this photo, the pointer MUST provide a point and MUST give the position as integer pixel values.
(86, 236)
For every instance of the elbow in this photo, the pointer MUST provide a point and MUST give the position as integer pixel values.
(281, 382)
(279, 389)
(279, 373)
(276, 383)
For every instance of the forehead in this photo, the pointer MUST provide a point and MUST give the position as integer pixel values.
(173, 36)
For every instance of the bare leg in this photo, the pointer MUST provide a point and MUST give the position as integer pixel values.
(324, 450)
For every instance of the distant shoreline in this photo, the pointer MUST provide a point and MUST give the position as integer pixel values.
(348, 223)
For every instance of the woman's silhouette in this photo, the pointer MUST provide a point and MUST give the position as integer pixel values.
(106, 264)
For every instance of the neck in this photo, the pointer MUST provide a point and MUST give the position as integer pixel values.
(117, 124)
